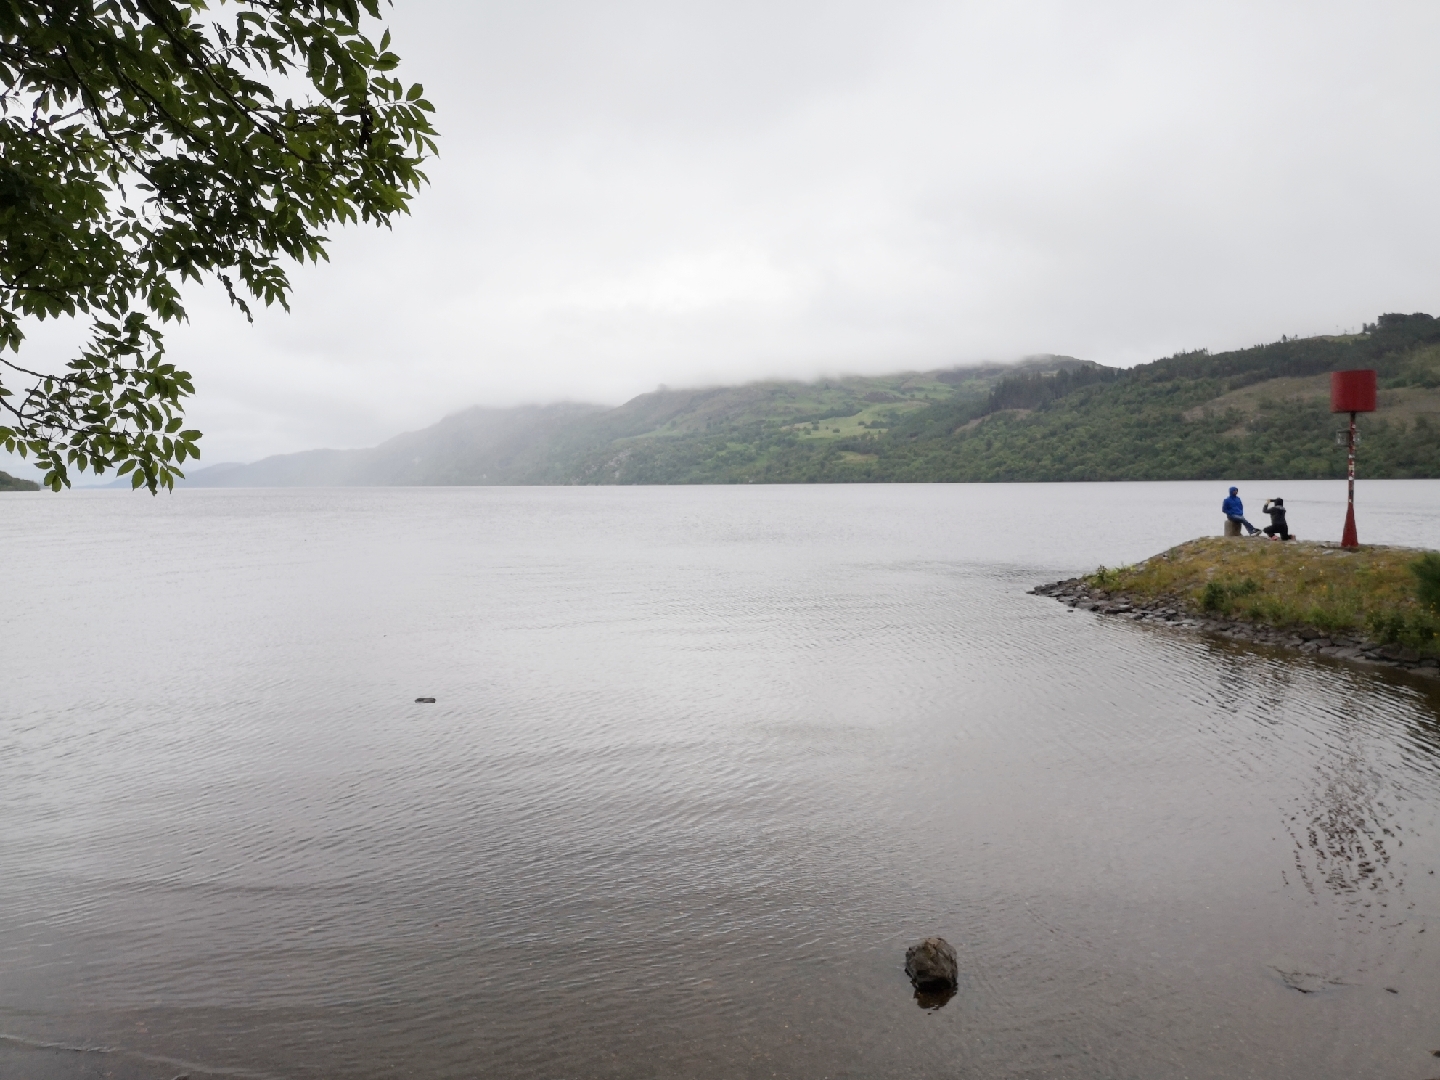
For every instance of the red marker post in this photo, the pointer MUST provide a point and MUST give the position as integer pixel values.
(1352, 392)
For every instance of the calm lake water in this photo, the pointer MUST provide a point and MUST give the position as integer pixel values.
(703, 762)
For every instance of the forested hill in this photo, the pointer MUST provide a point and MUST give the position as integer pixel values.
(715, 434)
(1258, 412)
(1255, 412)
(15, 483)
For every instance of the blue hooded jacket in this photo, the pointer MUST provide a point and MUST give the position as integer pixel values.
(1233, 507)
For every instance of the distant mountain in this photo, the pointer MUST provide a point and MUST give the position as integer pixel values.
(572, 443)
(477, 446)
(14, 483)
(1262, 411)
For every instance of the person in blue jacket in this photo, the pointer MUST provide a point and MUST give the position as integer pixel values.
(1234, 511)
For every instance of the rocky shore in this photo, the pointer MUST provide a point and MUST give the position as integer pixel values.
(1174, 613)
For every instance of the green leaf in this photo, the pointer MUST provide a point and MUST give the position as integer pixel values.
(140, 156)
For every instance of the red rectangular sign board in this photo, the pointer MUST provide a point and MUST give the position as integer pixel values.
(1352, 391)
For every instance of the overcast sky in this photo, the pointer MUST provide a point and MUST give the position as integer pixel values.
(640, 193)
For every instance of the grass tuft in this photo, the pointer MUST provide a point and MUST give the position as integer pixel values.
(1427, 573)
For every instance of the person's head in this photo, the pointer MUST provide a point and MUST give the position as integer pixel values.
(1234, 491)
(1278, 502)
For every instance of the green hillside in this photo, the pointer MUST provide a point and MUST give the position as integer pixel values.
(1254, 412)
(710, 435)
(738, 434)
(14, 483)
(1262, 411)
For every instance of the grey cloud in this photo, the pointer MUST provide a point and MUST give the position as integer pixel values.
(632, 194)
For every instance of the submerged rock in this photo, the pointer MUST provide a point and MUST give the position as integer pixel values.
(932, 965)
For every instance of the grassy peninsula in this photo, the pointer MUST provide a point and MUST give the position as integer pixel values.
(1372, 600)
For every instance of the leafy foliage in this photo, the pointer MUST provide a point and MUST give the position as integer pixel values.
(1418, 630)
(144, 143)
(1103, 577)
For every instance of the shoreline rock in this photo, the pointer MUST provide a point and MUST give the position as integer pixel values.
(1172, 612)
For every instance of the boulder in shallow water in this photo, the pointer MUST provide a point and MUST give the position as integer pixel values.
(932, 965)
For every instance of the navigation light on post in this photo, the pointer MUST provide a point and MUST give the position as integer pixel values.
(1352, 392)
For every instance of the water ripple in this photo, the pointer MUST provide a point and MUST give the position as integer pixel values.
(701, 764)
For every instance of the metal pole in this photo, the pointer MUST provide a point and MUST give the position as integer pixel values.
(1349, 539)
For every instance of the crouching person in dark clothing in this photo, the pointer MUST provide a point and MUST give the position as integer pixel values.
(1277, 527)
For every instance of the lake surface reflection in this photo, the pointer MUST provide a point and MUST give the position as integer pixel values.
(703, 762)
